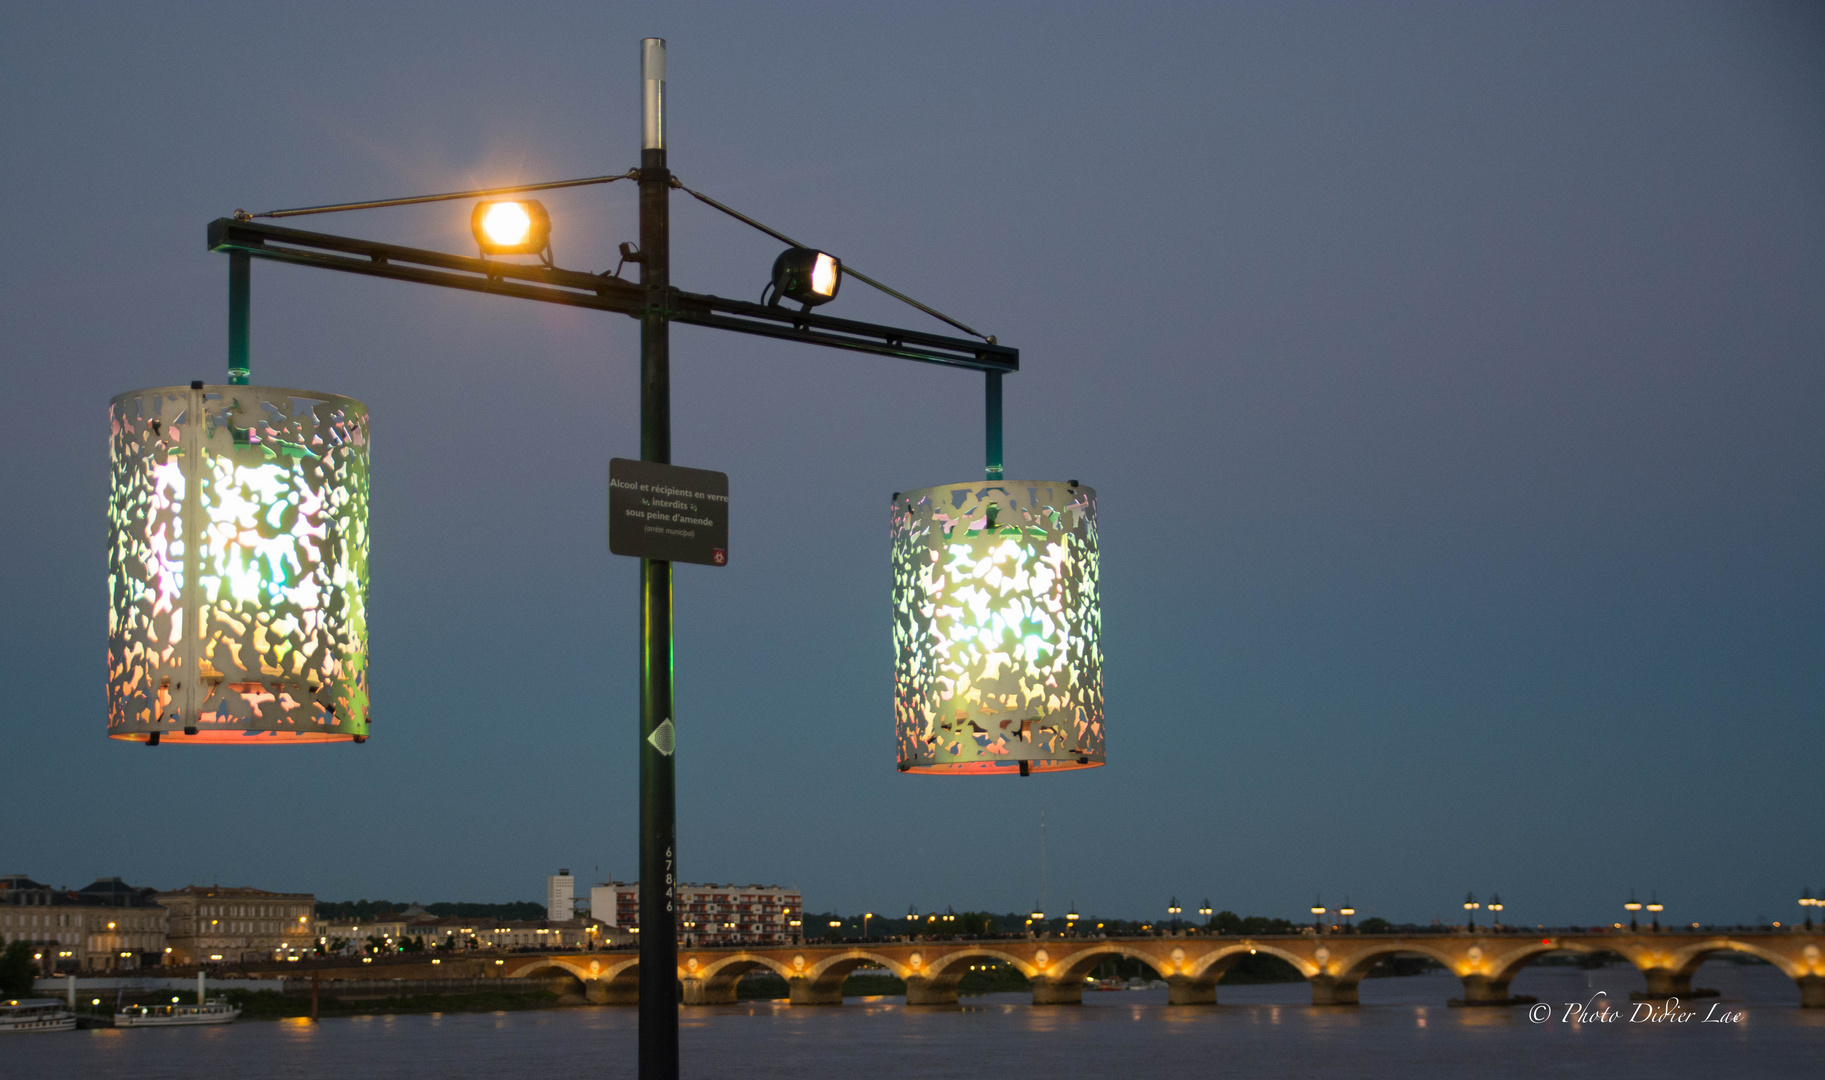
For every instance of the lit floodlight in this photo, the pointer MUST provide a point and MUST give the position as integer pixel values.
(807, 276)
(997, 628)
(511, 227)
(237, 566)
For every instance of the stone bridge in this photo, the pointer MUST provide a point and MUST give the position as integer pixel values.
(1057, 968)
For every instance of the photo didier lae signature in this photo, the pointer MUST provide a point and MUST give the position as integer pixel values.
(1598, 1011)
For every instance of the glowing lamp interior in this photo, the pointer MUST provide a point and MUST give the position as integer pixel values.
(237, 566)
(823, 275)
(997, 628)
(506, 224)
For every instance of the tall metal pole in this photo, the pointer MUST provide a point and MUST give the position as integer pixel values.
(658, 804)
(992, 423)
(240, 274)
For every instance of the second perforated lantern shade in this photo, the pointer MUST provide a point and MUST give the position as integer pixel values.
(997, 628)
(237, 566)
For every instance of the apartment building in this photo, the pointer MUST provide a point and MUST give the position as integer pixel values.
(710, 914)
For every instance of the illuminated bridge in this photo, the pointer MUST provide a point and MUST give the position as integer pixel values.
(1057, 968)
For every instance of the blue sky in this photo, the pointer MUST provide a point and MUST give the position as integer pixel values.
(1449, 375)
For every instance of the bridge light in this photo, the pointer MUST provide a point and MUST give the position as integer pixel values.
(997, 628)
(237, 566)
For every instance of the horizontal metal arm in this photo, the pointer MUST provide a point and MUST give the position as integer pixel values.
(530, 282)
(599, 291)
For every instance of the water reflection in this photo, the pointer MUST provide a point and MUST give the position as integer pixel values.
(1404, 1030)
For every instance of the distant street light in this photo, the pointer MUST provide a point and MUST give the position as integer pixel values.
(1346, 911)
(1632, 907)
(1808, 901)
(1206, 911)
(1495, 909)
(1470, 906)
(1172, 909)
(1318, 910)
(1655, 907)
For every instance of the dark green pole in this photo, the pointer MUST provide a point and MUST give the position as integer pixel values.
(658, 802)
(992, 410)
(240, 273)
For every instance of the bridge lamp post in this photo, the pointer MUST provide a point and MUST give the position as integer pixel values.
(1071, 921)
(238, 532)
(1346, 911)
(1495, 909)
(1206, 911)
(1470, 906)
(1655, 907)
(1808, 902)
(1632, 907)
(865, 917)
(1172, 909)
(1318, 910)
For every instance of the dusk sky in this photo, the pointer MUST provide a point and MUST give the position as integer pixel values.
(1450, 376)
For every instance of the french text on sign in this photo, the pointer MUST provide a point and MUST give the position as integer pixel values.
(668, 512)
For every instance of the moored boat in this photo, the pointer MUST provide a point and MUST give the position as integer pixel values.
(216, 1011)
(36, 1014)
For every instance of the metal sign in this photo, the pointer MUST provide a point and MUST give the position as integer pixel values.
(668, 512)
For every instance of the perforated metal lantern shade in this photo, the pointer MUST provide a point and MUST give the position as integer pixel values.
(997, 628)
(237, 566)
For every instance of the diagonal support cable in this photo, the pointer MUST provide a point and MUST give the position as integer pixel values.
(412, 200)
(847, 269)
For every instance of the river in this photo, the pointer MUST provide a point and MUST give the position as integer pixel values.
(1402, 1030)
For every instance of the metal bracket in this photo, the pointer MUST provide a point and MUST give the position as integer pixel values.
(575, 288)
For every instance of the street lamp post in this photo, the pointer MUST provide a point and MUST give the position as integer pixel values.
(1061, 732)
(1346, 911)
(1205, 911)
(1470, 906)
(1172, 909)
(1632, 907)
(1495, 910)
(658, 801)
(1655, 907)
(1318, 910)
(1808, 901)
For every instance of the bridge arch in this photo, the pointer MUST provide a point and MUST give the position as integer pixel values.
(1210, 966)
(839, 966)
(1686, 961)
(953, 966)
(1360, 964)
(735, 966)
(575, 975)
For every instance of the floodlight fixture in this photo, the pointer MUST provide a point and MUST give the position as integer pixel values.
(511, 226)
(806, 276)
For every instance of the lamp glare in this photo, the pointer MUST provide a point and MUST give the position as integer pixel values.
(506, 224)
(823, 275)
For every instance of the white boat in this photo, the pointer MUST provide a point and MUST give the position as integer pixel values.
(36, 1014)
(216, 1011)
